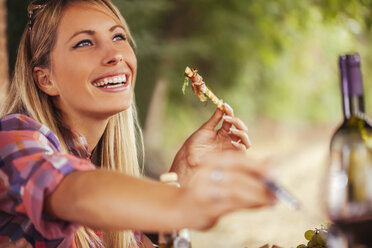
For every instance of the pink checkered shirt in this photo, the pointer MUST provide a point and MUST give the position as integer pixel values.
(32, 165)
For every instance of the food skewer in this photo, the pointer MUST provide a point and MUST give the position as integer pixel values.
(199, 87)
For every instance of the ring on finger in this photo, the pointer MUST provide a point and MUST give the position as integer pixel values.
(216, 175)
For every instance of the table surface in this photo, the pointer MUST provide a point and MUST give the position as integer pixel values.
(300, 156)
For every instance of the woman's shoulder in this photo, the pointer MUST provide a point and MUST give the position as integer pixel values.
(22, 123)
(14, 122)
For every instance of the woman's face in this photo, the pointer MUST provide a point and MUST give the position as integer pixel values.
(92, 64)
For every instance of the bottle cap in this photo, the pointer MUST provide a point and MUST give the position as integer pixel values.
(353, 59)
(169, 177)
(354, 74)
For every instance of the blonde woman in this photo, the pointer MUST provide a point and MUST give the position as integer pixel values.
(70, 143)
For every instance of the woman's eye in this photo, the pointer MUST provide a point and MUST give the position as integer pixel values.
(83, 43)
(119, 37)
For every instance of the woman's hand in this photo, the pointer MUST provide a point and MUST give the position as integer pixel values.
(231, 136)
(21, 243)
(227, 182)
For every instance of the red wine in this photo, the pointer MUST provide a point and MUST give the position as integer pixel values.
(357, 232)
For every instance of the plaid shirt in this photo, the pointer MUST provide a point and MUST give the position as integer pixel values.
(32, 165)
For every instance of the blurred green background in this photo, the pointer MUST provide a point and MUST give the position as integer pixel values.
(273, 61)
(270, 60)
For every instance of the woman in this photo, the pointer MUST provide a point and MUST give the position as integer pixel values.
(69, 142)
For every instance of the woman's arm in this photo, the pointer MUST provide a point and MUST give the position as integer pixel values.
(110, 200)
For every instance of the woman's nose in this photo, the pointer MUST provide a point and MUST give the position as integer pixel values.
(113, 56)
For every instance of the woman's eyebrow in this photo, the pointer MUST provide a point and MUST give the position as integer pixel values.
(115, 27)
(91, 32)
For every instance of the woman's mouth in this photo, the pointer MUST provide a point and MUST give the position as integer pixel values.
(112, 82)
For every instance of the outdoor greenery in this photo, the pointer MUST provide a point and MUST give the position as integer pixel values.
(273, 59)
(272, 53)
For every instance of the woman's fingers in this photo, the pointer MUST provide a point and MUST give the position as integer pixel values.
(229, 113)
(230, 120)
(240, 138)
(247, 191)
(229, 182)
(236, 163)
(237, 130)
(212, 123)
(228, 109)
(239, 145)
(235, 121)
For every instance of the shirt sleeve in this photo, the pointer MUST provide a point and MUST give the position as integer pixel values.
(31, 168)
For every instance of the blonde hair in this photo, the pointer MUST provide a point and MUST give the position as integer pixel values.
(120, 147)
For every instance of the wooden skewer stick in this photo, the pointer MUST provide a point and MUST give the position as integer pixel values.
(199, 87)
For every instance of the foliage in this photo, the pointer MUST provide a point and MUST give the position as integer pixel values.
(273, 58)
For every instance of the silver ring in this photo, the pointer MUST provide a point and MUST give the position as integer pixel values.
(216, 175)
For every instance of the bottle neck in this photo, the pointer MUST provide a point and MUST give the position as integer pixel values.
(352, 106)
(351, 86)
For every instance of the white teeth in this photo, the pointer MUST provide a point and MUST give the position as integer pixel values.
(114, 86)
(112, 80)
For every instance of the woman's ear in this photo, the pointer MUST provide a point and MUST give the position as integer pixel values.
(42, 79)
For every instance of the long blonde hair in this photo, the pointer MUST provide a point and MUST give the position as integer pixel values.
(121, 146)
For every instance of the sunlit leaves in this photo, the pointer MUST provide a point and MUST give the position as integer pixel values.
(279, 54)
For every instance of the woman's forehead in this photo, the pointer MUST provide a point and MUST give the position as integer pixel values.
(84, 15)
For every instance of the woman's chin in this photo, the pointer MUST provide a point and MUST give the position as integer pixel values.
(107, 113)
(115, 111)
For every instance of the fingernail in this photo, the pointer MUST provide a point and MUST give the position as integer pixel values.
(233, 129)
(227, 106)
(227, 117)
(235, 143)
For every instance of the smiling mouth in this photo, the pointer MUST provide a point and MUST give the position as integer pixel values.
(112, 82)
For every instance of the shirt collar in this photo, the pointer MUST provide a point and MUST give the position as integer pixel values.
(80, 148)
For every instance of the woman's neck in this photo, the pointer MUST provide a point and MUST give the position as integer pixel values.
(91, 128)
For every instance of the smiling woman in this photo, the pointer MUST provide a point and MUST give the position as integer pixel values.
(70, 143)
(91, 49)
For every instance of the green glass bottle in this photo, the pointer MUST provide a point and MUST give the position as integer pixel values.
(349, 175)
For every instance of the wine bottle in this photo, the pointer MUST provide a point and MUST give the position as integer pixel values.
(177, 238)
(349, 174)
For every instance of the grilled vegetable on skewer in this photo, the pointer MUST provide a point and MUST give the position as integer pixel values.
(199, 87)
